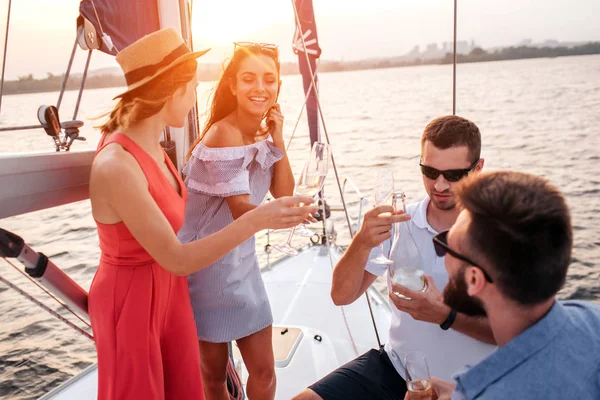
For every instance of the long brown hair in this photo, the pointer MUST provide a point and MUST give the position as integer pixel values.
(150, 98)
(223, 101)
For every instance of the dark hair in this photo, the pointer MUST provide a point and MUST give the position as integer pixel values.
(450, 131)
(223, 101)
(150, 98)
(520, 225)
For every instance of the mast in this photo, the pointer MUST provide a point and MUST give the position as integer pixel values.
(454, 63)
(177, 14)
(308, 32)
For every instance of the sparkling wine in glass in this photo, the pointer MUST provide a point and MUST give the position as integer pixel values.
(309, 183)
(383, 193)
(418, 380)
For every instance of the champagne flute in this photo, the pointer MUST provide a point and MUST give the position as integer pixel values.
(302, 230)
(309, 183)
(418, 380)
(382, 193)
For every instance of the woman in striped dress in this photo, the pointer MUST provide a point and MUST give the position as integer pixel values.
(236, 161)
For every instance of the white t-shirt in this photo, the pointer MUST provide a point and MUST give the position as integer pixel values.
(447, 351)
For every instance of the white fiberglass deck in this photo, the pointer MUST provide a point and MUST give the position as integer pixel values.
(299, 291)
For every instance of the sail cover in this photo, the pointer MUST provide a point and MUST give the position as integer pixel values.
(125, 21)
(308, 31)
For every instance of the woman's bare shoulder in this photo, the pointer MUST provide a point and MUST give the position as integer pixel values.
(114, 165)
(223, 134)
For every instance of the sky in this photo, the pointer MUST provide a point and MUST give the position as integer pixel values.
(42, 32)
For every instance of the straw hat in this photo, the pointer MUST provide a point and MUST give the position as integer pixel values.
(152, 55)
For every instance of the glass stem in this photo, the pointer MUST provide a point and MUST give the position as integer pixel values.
(289, 239)
(381, 250)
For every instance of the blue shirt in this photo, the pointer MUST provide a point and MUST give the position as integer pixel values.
(557, 358)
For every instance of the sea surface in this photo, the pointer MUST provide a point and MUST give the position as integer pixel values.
(541, 116)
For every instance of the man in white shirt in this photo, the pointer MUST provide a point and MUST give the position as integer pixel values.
(450, 150)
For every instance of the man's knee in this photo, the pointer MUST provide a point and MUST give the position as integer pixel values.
(307, 395)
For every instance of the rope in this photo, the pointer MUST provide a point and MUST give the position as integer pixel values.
(337, 178)
(268, 248)
(5, 51)
(332, 266)
(373, 319)
(43, 289)
(85, 72)
(287, 147)
(312, 77)
(100, 25)
(20, 128)
(235, 388)
(45, 307)
(97, 17)
(64, 84)
(289, 143)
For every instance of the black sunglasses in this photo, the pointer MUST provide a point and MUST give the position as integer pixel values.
(440, 243)
(261, 46)
(451, 175)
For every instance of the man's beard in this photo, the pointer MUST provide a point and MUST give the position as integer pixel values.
(457, 297)
(448, 205)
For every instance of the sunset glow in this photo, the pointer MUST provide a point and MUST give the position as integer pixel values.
(221, 23)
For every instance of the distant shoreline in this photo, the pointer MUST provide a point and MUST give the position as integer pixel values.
(210, 72)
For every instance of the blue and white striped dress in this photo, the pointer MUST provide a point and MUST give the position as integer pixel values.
(229, 297)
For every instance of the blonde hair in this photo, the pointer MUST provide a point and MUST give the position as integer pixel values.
(148, 99)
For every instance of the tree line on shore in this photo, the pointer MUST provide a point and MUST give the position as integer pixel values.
(210, 72)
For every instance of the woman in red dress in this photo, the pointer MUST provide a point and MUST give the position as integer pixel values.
(139, 301)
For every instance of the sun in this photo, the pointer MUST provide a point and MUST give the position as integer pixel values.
(219, 23)
(216, 28)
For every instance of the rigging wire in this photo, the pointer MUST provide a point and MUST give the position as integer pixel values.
(104, 37)
(331, 263)
(337, 178)
(47, 292)
(83, 79)
(62, 89)
(287, 147)
(5, 51)
(312, 77)
(67, 73)
(289, 143)
(454, 63)
(42, 305)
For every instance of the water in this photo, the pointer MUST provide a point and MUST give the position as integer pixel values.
(540, 116)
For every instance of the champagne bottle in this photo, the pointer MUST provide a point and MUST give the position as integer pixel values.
(407, 269)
